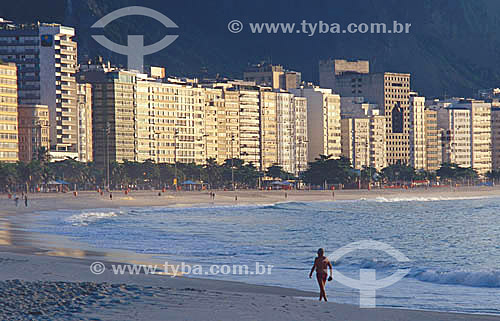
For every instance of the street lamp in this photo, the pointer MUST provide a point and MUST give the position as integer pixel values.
(176, 133)
(301, 141)
(107, 131)
(232, 162)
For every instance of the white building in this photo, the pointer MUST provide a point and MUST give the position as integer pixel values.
(418, 150)
(466, 133)
(363, 133)
(46, 57)
(323, 121)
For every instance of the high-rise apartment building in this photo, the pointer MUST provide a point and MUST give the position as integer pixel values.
(9, 148)
(215, 126)
(292, 132)
(455, 124)
(330, 68)
(283, 130)
(300, 135)
(250, 125)
(495, 135)
(113, 115)
(388, 89)
(480, 135)
(363, 133)
(467, 134)
(418, 144)
(268, 127)
(46, 56)
(274, 76)
(84, 105)
(33, 130)
(323, 121)
(432, 141)
(229, 124)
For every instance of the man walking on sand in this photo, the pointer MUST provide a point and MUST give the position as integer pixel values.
(321, 265)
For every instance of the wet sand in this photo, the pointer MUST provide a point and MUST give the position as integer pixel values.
(49, 278)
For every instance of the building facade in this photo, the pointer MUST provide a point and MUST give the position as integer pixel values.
(363, 133)
(46, 56)
(391, 91)
(33, 131)
(323, 121)
(84, 105)
(329, 69)
(495, 137)
(249, 134)
(418, 144)
(113, 115)
(432, 141)
(467, 133)
(274, 76)
(9, 140)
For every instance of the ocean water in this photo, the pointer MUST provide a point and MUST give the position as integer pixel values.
(453, 244)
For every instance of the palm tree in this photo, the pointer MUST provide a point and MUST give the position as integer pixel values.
(42, 155)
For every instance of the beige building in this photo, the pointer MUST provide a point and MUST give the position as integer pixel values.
(269, 127)
(229, 124)
(46, 56)
(300, 135)
(388, 89)
(418, 144)
(215, 127)
(330, 68)
(495, 136)
(33, 130)
(9, 140)
(222, 119)
(113, 115)
(274, 76)
(170, 122)
(363, 133)
(432, 141)
(84, 104)
(356, 141)
(481, 142)
(323, 121)
(456, 137)
(467, 133)
(250, 125)
(292, 132)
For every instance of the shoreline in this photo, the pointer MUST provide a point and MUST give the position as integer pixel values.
(54, 266)
(92, 200)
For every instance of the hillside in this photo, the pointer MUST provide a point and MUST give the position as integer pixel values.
(452, 47)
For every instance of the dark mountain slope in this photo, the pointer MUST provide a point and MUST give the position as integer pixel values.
(453, 46)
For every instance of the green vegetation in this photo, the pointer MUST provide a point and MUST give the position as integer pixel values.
(323, 171)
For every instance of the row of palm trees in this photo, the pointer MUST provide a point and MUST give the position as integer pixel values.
(233, 172)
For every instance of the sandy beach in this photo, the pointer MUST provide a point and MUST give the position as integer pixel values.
(46, 278)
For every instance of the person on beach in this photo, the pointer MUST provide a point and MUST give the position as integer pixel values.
(16, 200)
(321, 265)
(26, 200)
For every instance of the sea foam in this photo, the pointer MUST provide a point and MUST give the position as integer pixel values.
(488, 279)
(87, 218)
